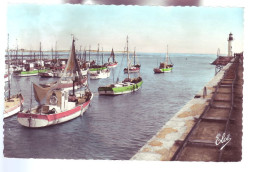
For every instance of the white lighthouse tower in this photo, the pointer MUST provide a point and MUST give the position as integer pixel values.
(230, 39)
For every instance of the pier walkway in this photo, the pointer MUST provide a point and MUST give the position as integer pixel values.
(209, 127)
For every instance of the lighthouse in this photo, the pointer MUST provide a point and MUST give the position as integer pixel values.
(230, 39)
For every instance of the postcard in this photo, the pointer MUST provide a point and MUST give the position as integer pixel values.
(123, 82)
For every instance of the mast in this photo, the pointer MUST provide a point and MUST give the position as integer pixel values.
(127, 57)
(56, 52)
(89, 53)
(40, 53)
(80, 58)
(30, 54)
(113, 55)
(102, 56)
(9, 88)
(98, 54)
(22, 55)
(51, 53)
(17, 52)
(134, 57)
(167, 56)
(85, 54)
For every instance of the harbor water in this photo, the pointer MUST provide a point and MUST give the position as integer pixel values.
(114, 127)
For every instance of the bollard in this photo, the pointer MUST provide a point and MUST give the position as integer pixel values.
(204, 92)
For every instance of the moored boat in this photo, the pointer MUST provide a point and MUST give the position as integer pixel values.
(164, 66)
(114, 62)
(124, 87)
(96, 67)
(29, 72)
(58, 105)
(100, 74)
(6, 77)
(128, 85)
(135, 68)
(47, 74)
(13, 104)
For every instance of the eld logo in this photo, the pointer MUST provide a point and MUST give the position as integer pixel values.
(222, 139)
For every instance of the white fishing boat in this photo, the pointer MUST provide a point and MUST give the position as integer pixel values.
(105, 73)
(56, 104)
(13, 104)
(100, 74)
(84, 71)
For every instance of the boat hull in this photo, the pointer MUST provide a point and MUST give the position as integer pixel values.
(46, 75)
(112, 65)
(14, 108)
(84, 72)
(100, 76)
(31, 73)
(94, 70)
(38, 120)
(132, 70)
(162, 70)
(120, 90)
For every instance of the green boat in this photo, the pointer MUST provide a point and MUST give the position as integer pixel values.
(127, 86)
(96, 68)
(93, 69)
(30, 72)
(164, 67)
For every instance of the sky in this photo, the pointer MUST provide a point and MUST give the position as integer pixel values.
(150, 28)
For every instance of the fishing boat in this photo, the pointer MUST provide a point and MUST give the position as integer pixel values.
(128, 85)
(13, 104)
(84, 71)
(100, 74)
(6, 77)
(95, 67)
(47, 74)
(58, 73)
(105, 73)
(113, 63)
(164, 67)
(133, 68)
(58, 105)
(29, 70)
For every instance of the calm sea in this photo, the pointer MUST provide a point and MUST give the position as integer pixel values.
(116, 127)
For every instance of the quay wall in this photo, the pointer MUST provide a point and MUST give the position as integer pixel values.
(161, 147)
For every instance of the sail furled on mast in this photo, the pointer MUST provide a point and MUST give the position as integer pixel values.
(112, 55)
(41, 93)
(73, 69)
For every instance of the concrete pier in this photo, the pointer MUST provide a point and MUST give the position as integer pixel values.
(164, 144)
